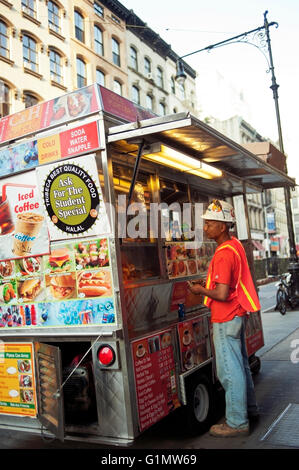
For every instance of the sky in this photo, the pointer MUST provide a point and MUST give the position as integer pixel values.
(235, 79)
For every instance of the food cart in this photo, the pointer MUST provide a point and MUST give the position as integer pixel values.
(101, 229)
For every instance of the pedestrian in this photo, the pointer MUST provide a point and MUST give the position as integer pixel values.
(229, 293)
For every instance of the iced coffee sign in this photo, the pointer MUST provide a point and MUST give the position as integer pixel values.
(72, 198)
(23, 229)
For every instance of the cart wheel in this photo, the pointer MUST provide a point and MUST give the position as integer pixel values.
(255, 365)
(199, 404)
(281, 299)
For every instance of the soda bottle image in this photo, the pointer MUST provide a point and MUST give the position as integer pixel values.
(33, 315)
(15, 316)
(22, 315)
(9, 317)
(27, 315)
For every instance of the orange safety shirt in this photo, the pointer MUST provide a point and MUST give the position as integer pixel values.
(229, 266)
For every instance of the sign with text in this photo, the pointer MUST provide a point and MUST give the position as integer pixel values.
(65, 108)
(155, 379)
(17, 380)
(73, 199)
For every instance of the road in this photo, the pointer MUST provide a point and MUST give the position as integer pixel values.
(267, 295)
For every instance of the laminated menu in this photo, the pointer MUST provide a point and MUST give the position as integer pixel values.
(71, 286)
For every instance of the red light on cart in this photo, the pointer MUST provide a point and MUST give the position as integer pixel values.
(106, 355)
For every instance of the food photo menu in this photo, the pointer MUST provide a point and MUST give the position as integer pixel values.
(70, 286)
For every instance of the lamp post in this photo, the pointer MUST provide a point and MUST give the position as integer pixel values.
(181, 76)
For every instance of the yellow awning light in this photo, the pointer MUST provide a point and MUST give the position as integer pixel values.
(169, 157)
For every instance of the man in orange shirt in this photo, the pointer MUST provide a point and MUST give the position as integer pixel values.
(230, 294)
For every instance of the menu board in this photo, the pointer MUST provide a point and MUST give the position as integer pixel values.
(72, 198)
(17, 379)
(71, 286)
(194, 342)
(254, 333)
(154, 369)
(182, 260)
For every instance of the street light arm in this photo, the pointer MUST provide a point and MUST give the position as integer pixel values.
(227, 41)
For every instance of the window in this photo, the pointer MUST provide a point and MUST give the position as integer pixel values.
(53, 17)
(98, 41)
(117, 87)
(100, 77)
(55, 66)
(133, 56)
(4, 99)
(182, 91)
(81, 73)
(160, 77)
(135, 94)
(162, 109)
(115, 52)
(4, 51)
(173, 85)
(147, 66)
(30, 100)
(79, 26)
(30, 53)
(28, 7)
(149, 102)
(98, 9)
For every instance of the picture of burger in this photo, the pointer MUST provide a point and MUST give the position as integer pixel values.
(62, 286)
(28, 290)
(59, 260)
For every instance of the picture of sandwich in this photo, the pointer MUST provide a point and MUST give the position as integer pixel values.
(62, 286)
(29, 289)
(59, 260)
(94, 283)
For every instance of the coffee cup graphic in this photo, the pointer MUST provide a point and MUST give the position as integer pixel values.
(27, 228)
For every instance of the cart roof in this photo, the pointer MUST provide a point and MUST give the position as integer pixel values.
(191, 136)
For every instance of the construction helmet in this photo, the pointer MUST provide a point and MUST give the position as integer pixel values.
(221, 211)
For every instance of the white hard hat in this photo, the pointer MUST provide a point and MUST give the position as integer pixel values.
(221, 211)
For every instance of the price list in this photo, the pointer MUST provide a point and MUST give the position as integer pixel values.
(156, 386)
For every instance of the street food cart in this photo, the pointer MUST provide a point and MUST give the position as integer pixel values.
(100, 230)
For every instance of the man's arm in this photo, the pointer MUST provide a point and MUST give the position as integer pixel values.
(220, 292)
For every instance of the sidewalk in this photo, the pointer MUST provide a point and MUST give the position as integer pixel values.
(277, 391)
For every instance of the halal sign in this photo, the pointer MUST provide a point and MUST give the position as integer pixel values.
(71, 198)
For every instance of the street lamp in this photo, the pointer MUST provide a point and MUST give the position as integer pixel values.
(181, 76)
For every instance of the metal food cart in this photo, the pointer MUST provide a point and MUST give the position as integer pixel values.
(100, 230)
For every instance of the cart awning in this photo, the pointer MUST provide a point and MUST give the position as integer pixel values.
(193, 137)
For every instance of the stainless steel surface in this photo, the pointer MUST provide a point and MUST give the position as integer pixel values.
(49, 393)
(193, 137)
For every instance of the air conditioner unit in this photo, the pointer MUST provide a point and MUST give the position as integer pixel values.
(150, 76)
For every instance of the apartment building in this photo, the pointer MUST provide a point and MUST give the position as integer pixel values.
(50, 47)
(267, 216)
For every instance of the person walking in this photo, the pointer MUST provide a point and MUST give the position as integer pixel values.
(229, 293)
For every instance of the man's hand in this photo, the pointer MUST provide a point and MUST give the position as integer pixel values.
(196, 288)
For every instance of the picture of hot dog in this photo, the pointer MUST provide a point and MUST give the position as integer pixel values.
(94, 283)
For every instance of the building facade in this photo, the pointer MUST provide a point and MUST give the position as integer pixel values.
(50, 47)
(267, 216)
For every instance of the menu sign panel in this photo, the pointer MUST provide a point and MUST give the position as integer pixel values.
(72, 286)
(73, 199)
(17, 380)
(194, 341)
(154, 369)
(254, 333)
(65, 108)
